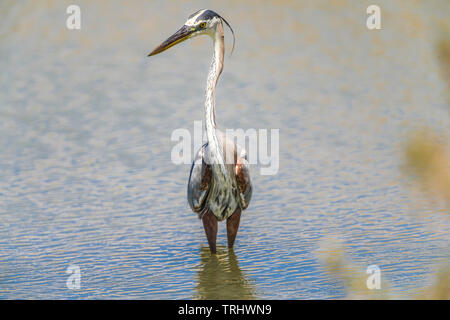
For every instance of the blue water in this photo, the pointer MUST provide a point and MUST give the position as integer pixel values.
(85, 171)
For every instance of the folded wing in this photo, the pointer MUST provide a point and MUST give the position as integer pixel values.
(199, 181)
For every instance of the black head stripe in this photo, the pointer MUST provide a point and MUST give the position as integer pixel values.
(207, 15)
(194, 14)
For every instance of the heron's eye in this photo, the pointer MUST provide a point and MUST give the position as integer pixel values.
(203, 25)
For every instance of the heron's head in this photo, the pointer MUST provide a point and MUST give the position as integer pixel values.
(199, 23)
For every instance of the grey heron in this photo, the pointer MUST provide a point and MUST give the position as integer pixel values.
(219, 184)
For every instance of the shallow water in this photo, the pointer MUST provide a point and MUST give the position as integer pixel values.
(85, 126)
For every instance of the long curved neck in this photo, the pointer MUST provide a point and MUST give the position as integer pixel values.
(214, 72)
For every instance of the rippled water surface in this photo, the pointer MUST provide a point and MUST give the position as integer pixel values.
(85, 126)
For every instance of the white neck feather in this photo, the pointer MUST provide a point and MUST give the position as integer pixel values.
(213, 76)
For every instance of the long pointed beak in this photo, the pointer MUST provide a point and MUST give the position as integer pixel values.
(177, 37)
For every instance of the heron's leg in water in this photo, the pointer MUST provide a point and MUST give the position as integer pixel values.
(210, 224)
(233, 226)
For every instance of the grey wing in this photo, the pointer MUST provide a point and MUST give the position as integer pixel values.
(243, 180)
(199, 181)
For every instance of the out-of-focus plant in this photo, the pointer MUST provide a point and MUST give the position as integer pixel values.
(428, 158)
(353, 278)
(443, 53)
(427, 155)
(440, 287)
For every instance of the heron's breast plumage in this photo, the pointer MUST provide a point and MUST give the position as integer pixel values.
(220, 187)
(224, 197)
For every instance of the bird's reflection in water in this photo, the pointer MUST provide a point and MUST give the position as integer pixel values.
(220, 278)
